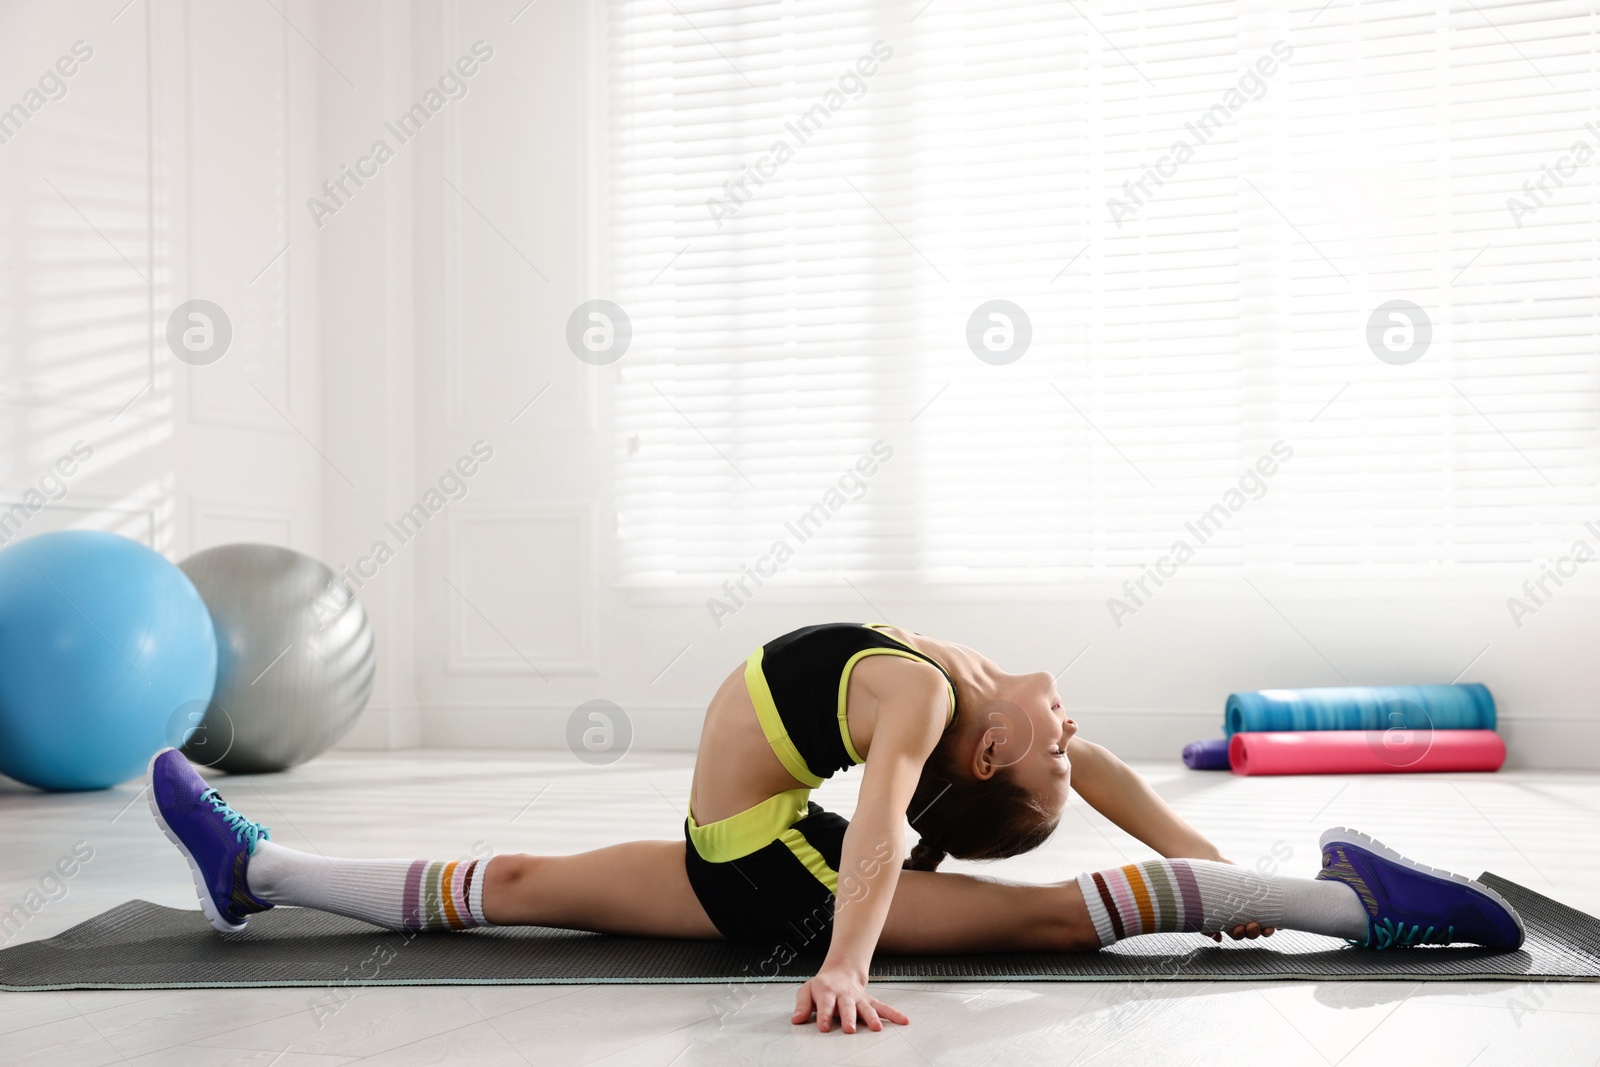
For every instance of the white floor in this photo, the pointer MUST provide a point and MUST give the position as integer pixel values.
(1536, 828)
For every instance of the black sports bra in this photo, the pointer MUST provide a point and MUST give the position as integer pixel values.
(799, 684)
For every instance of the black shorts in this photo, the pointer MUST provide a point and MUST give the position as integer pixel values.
(768, 875)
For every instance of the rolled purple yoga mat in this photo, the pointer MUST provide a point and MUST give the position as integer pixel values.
(1207, 755)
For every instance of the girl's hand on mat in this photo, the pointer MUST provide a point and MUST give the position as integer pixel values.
(1250, 930)
(1239, 933)
(840, 994)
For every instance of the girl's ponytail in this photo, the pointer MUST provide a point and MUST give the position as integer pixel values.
(924, 857)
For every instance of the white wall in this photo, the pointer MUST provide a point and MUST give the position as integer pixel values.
(425, 313)
(538, 627)
(165, 172)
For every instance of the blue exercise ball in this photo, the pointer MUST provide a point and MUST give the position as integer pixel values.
(107, 654)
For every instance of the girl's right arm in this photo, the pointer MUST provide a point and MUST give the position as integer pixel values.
(1116, 791)
(909, 724)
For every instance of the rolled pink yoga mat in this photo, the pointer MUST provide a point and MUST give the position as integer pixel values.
(1366, 751)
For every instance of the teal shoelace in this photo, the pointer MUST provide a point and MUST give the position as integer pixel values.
(1391, 934)
(243, 829)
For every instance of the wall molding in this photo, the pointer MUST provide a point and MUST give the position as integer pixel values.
(130, 519)
(201, 509)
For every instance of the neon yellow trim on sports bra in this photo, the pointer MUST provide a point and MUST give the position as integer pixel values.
(915, 654)
(844, 692)
(750, 830)
(772, 723)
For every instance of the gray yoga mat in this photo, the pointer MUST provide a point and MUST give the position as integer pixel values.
(139, 945)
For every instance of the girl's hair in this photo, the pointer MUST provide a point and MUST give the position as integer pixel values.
(958, 815)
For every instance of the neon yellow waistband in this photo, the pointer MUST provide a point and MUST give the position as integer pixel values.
(751, 829)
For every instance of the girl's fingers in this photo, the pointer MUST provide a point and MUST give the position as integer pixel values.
(851, 1012)
(1242, 931)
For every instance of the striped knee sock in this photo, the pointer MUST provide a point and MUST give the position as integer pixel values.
(1202, 896)
(397, 894)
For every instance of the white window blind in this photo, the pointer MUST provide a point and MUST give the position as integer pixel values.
(1189, 309)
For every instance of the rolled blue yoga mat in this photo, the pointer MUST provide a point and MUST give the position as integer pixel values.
(1207, 755)
(1362, 707)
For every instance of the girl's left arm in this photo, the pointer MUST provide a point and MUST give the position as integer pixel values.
(1114, 790)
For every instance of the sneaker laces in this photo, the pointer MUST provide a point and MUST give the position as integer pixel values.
(243, 829)
(1391, 934)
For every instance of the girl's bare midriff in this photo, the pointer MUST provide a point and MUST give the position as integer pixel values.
(736, 768)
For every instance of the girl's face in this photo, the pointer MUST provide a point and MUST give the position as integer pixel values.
(1026, 733)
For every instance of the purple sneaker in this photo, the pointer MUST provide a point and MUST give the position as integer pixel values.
(216, 840)
(1409, 904)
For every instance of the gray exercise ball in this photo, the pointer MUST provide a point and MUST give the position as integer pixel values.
(295, 658)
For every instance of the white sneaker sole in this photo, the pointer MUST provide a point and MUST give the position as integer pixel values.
(1378, 848)
(207, 905)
